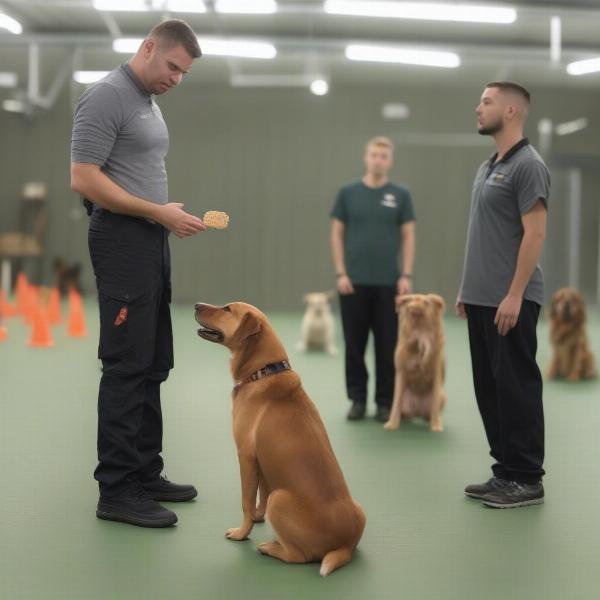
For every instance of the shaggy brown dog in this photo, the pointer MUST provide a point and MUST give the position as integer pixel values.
(419, 360)
(283, 448)
(572, 357)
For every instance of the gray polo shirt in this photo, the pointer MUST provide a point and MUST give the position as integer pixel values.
(119, 126)
(503, 192)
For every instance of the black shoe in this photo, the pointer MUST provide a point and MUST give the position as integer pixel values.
(479, 490)
(383, 413)
(162, 490)
(357, 411)
(135, 506)
(515, 494)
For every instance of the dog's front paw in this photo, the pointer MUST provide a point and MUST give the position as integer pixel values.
(391, 425)
(236, 533)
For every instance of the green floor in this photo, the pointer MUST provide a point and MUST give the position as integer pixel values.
(423, 539)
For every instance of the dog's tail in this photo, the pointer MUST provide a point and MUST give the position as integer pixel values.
(334, 560)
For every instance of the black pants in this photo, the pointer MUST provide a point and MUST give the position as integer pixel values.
(131, 262)
(508, 388)
(370, 308)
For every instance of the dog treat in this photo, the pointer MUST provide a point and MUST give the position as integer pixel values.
(216, 219)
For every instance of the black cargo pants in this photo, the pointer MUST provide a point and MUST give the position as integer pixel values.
(131, 263)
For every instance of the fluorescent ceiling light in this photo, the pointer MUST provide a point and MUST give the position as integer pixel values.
(319, 87)
(8, 80)
(121, 5)
(16, 106)
(127, 45)
(237, 48)
(191, 6)
(469, 13)
(196, 6)
(395, 111)
(571, 126)
(86, 77)
(10, 24)
(583, 67)
(254, 7)
(389, 54)
(210, 47)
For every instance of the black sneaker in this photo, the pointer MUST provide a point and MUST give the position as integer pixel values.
(514, 495)
(357, 411)
(383, 413)
(479, 490)
(136, 507)
(162, 490)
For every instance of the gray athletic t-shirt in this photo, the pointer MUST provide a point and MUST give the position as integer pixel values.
(119, 126)
(503, 192)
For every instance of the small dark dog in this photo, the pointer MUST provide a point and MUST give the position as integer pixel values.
(67, 276)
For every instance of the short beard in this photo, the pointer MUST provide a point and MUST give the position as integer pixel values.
(491, 130)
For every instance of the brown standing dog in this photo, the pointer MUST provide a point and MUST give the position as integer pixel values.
(283, 448)
(572, 357)
(419, 360)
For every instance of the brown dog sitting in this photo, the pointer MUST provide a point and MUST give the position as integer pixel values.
(572, 357)
(419, 361)
(283, 448)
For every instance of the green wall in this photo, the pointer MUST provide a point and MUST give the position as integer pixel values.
(274, 159)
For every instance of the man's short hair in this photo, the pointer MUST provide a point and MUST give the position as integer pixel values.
(511, 86)
(380, 140)
(176, 33)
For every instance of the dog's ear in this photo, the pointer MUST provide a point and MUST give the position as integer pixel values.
(437, 301)
(401, 301)
(249, 326)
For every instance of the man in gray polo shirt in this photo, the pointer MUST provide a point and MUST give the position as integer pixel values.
(501, 294)
(118, 148)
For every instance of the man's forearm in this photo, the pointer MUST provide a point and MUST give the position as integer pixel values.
(527, 260)
(337, 253)
(408, 252)
(100, 189)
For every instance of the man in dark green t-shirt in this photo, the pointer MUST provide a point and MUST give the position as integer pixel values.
(371, 219)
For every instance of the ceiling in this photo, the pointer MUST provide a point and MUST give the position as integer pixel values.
(311, 42)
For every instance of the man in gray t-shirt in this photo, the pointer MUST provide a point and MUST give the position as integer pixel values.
(501, 294)
(118, 149)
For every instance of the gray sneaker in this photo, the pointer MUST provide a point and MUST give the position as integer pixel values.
(514, 495)
(479, 490)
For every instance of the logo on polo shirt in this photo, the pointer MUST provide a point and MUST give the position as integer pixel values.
(389, 200)
(146, 115)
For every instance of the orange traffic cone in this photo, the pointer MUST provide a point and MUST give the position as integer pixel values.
(41, 337)
(54, 316)
(6, 309)
(3, 333)
(22, 288)
(29, 303)
(76, 326)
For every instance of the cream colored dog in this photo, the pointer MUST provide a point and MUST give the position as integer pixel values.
(419, 360)
(572, 357)
(318, 329)
(283, 448)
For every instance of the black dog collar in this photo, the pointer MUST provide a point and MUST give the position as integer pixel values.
(270, 369)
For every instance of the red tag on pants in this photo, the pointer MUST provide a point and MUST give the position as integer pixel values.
(121, 317)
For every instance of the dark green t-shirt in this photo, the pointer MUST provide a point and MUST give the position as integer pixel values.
(372, 219)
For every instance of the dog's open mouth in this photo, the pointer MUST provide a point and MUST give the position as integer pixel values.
(206, 332)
